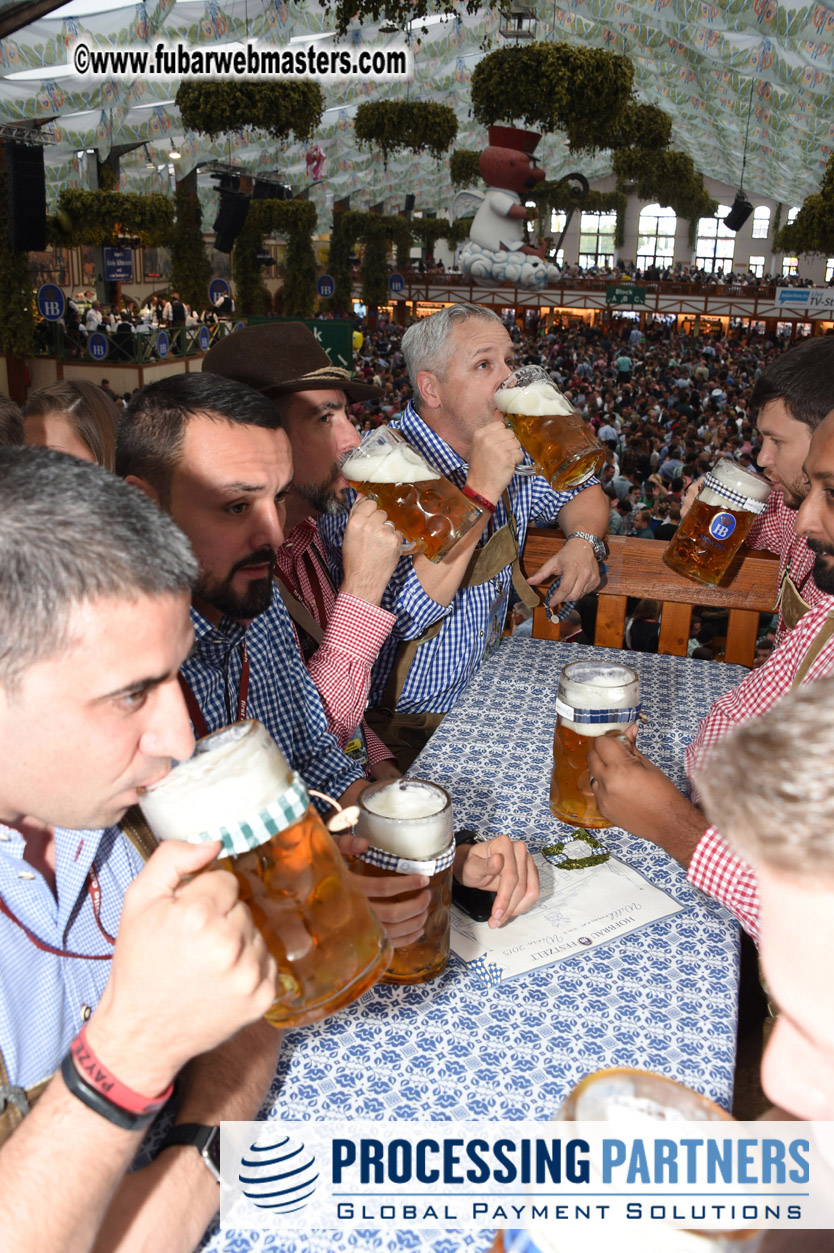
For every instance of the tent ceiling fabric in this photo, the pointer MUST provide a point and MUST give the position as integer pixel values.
(693, 59)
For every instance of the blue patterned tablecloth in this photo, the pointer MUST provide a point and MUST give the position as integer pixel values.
(663, 998)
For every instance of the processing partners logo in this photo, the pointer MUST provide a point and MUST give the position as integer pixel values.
(644, 1171)
(278, 1173)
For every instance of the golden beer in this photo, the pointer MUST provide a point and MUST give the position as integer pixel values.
(432, 514)
(315, 921)
(549, 429)
(594, 699)
(327, 954)
(571, 798)
(715, 527)
(427, 957)
(409, 827)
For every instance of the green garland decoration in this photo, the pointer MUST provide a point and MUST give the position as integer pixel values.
(280, 109)
(296, 220)
(393, 124)
(550, 196)
(100, 218)
(465, 168)
(812, 230)
(638, 126)
(554, 87)
(555, 853)
(669, 178)
(458, 231)
(401, 12)
(339, 268)
(375, 230)
(252, 296)
(17, 322)
(190, 266)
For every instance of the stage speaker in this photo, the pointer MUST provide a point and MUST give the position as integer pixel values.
(26, 184)
(230, 219)
(409, 202)
(739, 213)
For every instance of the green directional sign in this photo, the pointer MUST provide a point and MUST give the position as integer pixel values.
(625, 294)
(334, 335)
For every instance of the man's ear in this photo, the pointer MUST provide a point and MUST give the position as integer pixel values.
(144, 486)
(427, 387)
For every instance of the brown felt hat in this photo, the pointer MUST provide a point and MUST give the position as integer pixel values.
(277, 358)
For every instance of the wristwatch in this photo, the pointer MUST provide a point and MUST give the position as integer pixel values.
(599, 545)
(206, 1141)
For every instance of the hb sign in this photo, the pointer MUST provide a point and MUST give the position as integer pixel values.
(51, 302)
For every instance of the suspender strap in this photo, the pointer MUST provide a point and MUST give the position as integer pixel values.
(500, 551)
(15, 1102)
(298, 611)
(135, 828)
(823, 636)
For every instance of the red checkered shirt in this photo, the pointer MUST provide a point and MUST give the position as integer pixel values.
(354, 632)
(714, 868)
(775, 531)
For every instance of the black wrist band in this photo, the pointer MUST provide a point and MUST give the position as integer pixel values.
(96, 1101)
(465, 836)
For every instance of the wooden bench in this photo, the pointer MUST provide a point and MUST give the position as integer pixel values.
(635, 568)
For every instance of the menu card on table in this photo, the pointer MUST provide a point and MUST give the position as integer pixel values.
(578, 910)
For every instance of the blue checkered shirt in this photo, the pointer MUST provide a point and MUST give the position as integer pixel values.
(281, 693)
(42, 995)
(445, 664)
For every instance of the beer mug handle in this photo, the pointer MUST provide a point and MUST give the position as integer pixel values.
(410, 546)
(525, 469)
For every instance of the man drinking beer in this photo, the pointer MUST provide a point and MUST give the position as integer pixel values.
(450, 613)
(125, 973)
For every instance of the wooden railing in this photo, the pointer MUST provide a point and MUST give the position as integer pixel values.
(636, 568)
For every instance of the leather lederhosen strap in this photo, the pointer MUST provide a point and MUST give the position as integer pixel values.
(500, 550)
(298, 611)
(790, 603)
(15, 1102)
(825, 633)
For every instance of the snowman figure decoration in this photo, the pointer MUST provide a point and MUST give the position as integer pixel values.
(497, 248)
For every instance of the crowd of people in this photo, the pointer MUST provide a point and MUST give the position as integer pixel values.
(130, 328)
(202, 553)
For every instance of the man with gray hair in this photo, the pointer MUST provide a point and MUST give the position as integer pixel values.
(450, 613)
(772, 791)
(94, 626)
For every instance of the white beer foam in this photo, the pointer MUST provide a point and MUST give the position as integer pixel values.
(400, 464)
(409, 819)
(536, 399)
(597, 685)
(234, 773)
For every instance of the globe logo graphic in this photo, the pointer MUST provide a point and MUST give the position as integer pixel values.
(278, 1173)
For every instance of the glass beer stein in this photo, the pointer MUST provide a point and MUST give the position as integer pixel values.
(408, 825)
(318, 926)
(594, 699)
(712, 532)
(633, 1100)
(547, 426)
(430, 511)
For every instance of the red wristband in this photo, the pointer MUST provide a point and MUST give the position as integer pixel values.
(104, 1081)
(478, 499)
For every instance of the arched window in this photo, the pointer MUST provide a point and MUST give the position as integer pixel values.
(761, 221)
(656, 236)
(596, 239)
(716, 243)
(792, 213)
(557, 224)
